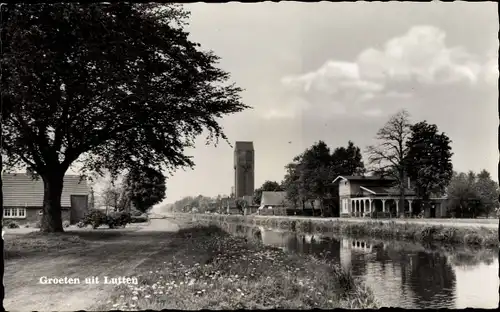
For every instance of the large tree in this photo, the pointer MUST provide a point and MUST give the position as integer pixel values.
(488, 192)
(309, 177)
(428, 160)
(107, 85)
(388, 156)
(290, 183)
(348, 160)
(268, 186)
(463, 195)
(145, 187)
(316, 172)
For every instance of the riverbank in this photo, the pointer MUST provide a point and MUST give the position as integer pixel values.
(210, 269)
(477, 236)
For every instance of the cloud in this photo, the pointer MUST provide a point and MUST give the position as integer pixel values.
(490, 70)
(420, 56)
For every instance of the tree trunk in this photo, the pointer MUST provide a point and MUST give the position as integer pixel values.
(52, 219)
(401, 193)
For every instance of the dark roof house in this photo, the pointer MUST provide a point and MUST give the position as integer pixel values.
(273, 199)
(20, 190)
(23, 198)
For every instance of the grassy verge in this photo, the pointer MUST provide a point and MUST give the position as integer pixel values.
(36, 242)
(477, 236)
(31, 244)
(209, 269)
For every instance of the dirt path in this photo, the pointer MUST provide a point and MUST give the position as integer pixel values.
(118, 256)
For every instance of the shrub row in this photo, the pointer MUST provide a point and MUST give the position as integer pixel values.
(97, 218)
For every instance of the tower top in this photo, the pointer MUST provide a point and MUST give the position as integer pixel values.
(243, 146)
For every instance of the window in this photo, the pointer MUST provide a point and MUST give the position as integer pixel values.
(14, 213)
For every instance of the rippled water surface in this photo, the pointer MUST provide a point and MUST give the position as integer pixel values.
(405, 274)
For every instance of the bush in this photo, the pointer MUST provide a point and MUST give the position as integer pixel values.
(139, 219)
(81, 224)
(117, 219)
(95, 218)
(136, 213)
(66, 223)
(11, 224)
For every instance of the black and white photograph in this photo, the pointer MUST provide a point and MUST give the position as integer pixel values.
(249, 156)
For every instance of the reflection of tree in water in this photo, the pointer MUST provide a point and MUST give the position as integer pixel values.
(325, 248)
(431, 278)
(471, 258)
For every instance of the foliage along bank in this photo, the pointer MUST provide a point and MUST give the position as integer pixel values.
(470, 237)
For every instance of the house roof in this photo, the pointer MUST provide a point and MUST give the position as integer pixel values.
(363, 178)
(19, 189)
(273, 198)
(380, 190)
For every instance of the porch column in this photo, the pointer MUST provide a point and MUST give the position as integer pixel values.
(383, 204)
(370, 207)
(410, 201)
(397, 207)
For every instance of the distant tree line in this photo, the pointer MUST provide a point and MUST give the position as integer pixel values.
(199, 203)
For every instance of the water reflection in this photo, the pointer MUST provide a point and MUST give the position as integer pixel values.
(407, 275)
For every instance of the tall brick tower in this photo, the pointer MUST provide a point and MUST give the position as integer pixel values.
(244, 161)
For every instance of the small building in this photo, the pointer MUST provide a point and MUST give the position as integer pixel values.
(23, 198)
(273, 203)
(364, 195)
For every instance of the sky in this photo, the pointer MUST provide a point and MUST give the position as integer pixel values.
(337, 72)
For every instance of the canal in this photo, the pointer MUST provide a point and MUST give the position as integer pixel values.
(403, 274)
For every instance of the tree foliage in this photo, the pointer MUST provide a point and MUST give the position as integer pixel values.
(200, 202)
(114, 195)
(488, 191)
(268, 186)
(428, 159)
(107, 85)
(310, 176)
(471, 195)
(348, 160)
(145, 187)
